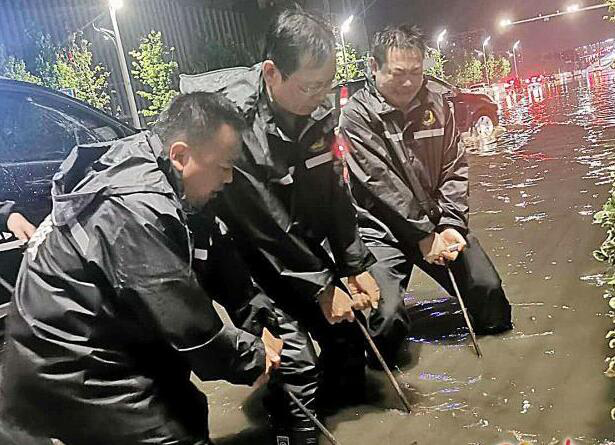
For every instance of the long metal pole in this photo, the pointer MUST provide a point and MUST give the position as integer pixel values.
(486, 68)
(330, 437)
(136, 122)
(384, 365)
(515, 62)
(344, 55)
(465, 312)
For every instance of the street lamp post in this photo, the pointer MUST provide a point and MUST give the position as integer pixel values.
(440, 39)
(485, 43)
(515, 46)
(344, 29)
(114, 5)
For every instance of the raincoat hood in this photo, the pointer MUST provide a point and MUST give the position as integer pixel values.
(135, 164)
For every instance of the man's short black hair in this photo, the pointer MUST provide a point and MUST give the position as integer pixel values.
(196, 117)
(294, 34)
(398, 37)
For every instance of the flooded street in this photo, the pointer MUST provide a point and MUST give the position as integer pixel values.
(533, 195)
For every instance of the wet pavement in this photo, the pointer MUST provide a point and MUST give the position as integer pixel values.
(533, 194)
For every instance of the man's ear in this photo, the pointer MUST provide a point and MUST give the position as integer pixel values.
(271, 73)
(179, 154)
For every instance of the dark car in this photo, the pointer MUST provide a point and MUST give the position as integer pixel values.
(38, 128)
(472, 110)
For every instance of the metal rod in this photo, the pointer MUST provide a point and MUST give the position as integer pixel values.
(130, 95)
(384, 366)
(465, 312)
(330, 437)
(7, 286)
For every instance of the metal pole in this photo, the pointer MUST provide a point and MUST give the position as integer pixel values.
(515, 62)
(465, 312)
(330, 437)
(486, 68)
(136, 122)
(344, 55)
(384, 365)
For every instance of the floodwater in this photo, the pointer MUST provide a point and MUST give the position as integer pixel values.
(533, 194)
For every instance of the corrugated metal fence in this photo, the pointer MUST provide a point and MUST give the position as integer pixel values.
(186, 25)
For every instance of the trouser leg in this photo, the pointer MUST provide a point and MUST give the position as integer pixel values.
(480, 287)
(389, 324)
(298, 372)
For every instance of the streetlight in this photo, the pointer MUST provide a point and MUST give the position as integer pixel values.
(515, 46)
(505, 23)
(114, 5)
(440, 39)
(344, 29)
(573, 8)
(485, 43)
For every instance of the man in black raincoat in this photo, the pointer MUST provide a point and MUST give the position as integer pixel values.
(108, 318)
(14, 221)
(409, 177)
(291, 214)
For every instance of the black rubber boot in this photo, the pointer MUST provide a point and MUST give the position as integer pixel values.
(296, 437)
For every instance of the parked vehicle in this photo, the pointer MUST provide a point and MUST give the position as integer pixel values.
(38, 128)
(472, 110)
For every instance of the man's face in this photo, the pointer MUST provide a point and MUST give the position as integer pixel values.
(207, 166)
(400, 78)
(305, 89)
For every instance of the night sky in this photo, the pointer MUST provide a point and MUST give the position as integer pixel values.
(559, 33)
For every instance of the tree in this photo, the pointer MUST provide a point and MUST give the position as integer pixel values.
(77, 71)
(351, 62)
(611, 4)
(45, 60)
(14, 68)
(497, 67)
(437, 58)
(155, 68)
(468, 72)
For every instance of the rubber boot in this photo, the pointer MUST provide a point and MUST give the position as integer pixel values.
(296, 436)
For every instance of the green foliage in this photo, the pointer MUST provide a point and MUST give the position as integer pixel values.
(76, 70)
(611, 4)
(351, 62)
(497, 67)
(155, 68)
(606, 253)
(216, 55)
(45, 60)
(14, 68)
(468, 72)
(437, 70)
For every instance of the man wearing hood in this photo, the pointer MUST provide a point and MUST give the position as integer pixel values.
(291, 213)
(108, 318)
(409, 177)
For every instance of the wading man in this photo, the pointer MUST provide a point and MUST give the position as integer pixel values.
(108, 318)
(409, 177)
(291, 214)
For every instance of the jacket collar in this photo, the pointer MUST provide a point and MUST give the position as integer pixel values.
(379, 105)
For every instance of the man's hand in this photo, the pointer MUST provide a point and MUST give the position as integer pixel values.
(453, 238)
(20, 226)
(273, 349)
(336, 305)
(364, 291)
(435, 250)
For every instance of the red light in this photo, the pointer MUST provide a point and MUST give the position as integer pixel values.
(343, 96)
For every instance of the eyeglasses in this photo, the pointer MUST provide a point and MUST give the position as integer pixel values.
(315, 91)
